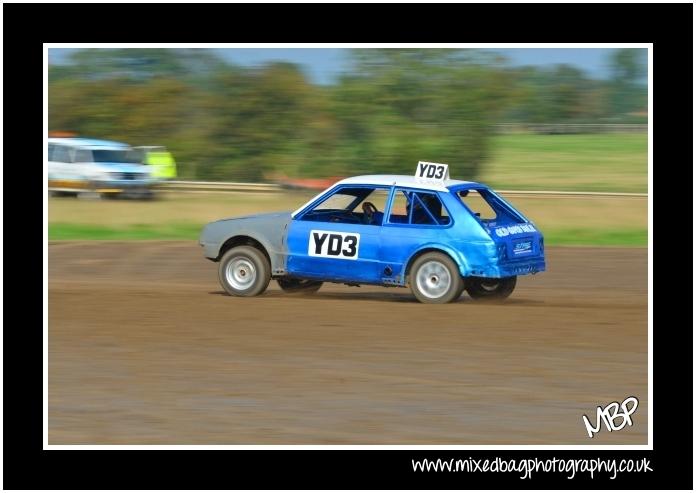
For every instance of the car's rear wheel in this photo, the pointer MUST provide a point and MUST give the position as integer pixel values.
(490, 288)
(299, 286)
(435, 278)
(244, 271)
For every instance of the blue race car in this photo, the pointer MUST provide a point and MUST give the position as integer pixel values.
(435, 235)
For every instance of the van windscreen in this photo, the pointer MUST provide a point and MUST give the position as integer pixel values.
(115, 156)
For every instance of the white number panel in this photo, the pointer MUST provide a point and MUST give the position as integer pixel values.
(333, 244)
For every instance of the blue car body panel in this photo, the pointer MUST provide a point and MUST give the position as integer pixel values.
(365, 268)
(380, 253)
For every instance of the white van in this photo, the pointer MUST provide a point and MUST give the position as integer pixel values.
(96, 167)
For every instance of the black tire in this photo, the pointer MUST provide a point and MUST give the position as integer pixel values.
(461, 290)
(90, 195)
(244, 271)
(299, 286)
(435, 278)
(490, 288)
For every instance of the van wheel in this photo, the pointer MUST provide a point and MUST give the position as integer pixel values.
(490, 288)
(89, 195)
(435, 278)
(244, 271)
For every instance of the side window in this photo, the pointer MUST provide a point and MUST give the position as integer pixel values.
(444, 216)
(411, 207)
(351, 205)
(378, 198)
(51, 149)
(83, 156)
(61, 154)
(427, 209)
(338, 201)
(399, 209)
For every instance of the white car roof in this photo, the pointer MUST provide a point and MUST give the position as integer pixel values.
(391, 180)
(402, 181)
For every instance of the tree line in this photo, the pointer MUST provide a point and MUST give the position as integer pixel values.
(388, 110)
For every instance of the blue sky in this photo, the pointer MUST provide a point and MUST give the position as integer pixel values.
(322, 65)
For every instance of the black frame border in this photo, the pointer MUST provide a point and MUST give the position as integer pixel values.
(26, 26)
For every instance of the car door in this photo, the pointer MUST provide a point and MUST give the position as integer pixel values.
(61, 172)
(52, 166)
(416, 218)
(322, 247)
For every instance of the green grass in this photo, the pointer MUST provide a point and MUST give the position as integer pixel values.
(553, 237)
(584, 162)
(66, 231)
(593, 237)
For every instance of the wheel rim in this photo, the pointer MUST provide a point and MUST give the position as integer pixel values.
(433, 279)
(240, 273)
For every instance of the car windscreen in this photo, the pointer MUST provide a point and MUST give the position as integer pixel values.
(107, 156)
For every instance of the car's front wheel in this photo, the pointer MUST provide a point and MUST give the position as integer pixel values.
(490, 288)
(244, 271)
(435, 278)
(299, 286)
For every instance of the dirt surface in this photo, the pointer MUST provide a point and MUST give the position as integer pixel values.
(144, 348)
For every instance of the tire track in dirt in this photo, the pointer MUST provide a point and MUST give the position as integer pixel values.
(145, 348)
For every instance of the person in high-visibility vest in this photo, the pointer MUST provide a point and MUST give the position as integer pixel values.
(162, 162)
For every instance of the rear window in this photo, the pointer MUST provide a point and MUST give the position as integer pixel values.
(490, 208)
(477, 204)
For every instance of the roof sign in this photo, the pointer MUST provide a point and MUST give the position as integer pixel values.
(437, 172)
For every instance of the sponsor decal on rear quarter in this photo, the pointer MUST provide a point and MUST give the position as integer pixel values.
(522, 247)
(516, 229)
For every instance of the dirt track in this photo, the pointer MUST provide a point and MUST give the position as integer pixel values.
(144, 348)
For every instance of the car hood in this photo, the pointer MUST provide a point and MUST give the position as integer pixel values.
(269, 227)
(265, 217)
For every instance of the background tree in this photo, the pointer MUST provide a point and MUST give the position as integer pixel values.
(389, 109)
(625, 93)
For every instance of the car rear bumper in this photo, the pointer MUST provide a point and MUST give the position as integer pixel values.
(521, 268)
(508, 269)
